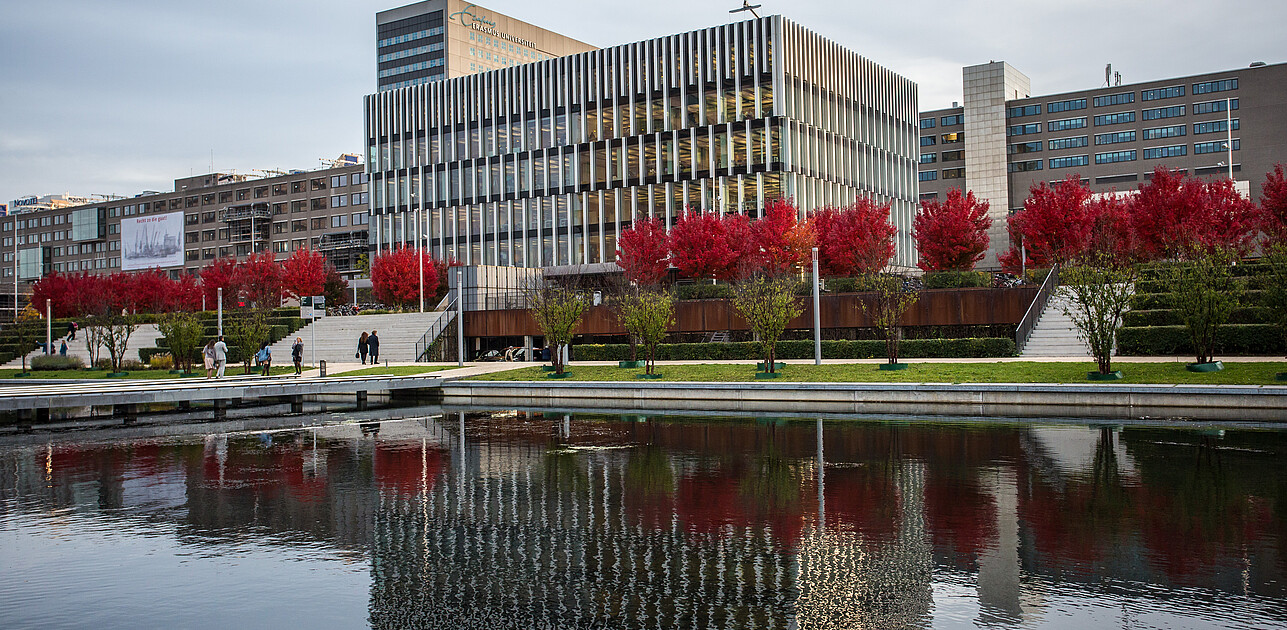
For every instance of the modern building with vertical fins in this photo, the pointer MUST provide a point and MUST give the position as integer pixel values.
(543, 164)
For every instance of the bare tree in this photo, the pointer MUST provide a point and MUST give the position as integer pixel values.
(767, 303)
(647, 315)
(557, 309)
(1205, 293)
(886, 309)
(116, 331)
(1100, 290)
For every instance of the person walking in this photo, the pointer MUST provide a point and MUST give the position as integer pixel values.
(220, 357)
(208, 355)
(363, 348)
(373, 343)
(265, 357)
(71, 331)
(297, 355)
(62, 349)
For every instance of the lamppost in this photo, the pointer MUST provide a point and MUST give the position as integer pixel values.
(1228, 128)
(420, 259)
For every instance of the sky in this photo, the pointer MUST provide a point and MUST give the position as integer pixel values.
(123, 96)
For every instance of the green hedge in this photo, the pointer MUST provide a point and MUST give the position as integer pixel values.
(703, 291)
(1155, 301)
(841, 349)
(848, 285)
(1256, 283)
(1153, 271)
(957, 279)
(1167, 317)
(1253, 339)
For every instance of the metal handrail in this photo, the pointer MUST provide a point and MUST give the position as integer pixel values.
(448, 314)
(1029, 322)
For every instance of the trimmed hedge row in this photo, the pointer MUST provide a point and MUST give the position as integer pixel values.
(703, 291)
(1254, 283)
(1166, 317)
(1164, 301)
(957, 279)
(1253, 339)
(839, 349)
(1153, 271)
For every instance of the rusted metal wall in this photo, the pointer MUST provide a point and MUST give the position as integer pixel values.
(937, 307)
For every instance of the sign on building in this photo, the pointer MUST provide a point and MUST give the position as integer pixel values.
(152, 241)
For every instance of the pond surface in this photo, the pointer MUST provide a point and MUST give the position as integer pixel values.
(535, 521)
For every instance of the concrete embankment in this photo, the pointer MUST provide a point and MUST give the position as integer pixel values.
(1205, 402)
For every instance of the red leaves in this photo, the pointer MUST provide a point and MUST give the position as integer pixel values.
(219, 275)
(1273, 205)
(258, 280)
(1173, 211)
(395, 279)
(781, 240)
(710, 245)
(150, 291)
(952, 235)
(642, 252)
(856, 239)
(1055, 224)
(304, 273)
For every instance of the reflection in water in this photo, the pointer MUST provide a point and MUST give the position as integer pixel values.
(521, 521)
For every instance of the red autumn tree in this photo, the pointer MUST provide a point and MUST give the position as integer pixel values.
(1173, 212)
(1054, 225)
(781, 240)
(334, 286)
(258, 280)
(642, 253)
(856, 239)
(219, 275)
(709, 245)
(1230, 220)
(60, 290)
(1273, 205)
(951, 235)
(1111, 229)
(395, 279)
(304, 273)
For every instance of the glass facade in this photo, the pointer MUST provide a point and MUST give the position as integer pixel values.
(544, 164)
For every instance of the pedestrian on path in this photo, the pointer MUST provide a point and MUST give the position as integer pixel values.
(297, 355)
(220, 356)
(62, 349)
(265, 358)
(208, 355)
(71, 331)
(373, 343)
(363, 348)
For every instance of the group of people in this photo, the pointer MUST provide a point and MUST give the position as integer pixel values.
(216, 357)
(368, 345)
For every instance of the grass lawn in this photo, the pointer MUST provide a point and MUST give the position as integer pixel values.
(232, 370)
(395, 370)
(1013, 372)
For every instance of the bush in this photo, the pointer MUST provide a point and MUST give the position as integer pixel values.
(56, 362)
(131, 364)
(957, 279)
(103, 363)
(1167, 317)
(161, 361)
(840, 349)
(849, 285)
(701, 291)
(1252, 339)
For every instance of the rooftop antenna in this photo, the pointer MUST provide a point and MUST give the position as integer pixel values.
(747, 6)
(1108, 75)
(1117, 78)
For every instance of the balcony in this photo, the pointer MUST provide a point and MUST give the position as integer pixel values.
(246, 212)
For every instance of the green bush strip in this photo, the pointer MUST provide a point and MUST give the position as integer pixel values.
(1232, 339)
(838, 349)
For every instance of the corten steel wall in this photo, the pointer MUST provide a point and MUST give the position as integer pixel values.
(937, 307)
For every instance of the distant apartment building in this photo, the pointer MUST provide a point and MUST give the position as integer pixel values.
(206, 217)
(1001, 140)
(36, 203)
(442, 39)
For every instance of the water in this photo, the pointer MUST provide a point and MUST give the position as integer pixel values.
(538, 521)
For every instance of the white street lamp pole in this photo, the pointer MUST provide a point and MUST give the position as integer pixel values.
(817, 316)
(219, 292)
(420, 261)
(1228, 127)
(49, 326)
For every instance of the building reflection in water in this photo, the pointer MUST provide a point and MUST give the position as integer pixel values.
(512, 520)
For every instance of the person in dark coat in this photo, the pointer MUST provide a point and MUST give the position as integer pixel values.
(363, 347)
(297, 355)
(373, 342)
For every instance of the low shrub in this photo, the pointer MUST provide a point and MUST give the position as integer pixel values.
(838, 349)
(957, 279)
(1167, 317)
(848, 285)
(103, 363)
(704, 291)
(161, 361)
(1232, 339)
(56, 362)
(132, 364)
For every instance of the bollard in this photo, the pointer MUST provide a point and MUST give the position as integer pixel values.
(322, 366)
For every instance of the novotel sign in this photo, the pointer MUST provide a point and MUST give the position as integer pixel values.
(470, 17)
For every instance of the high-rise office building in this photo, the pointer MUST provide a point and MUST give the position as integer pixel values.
(543, 164)
(441, 39)
(1001, 140)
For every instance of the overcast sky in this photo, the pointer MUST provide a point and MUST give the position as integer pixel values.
(122, 96)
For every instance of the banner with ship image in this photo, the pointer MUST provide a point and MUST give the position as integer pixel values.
(152, 241)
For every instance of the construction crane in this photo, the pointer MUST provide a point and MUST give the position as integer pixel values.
(345, 159)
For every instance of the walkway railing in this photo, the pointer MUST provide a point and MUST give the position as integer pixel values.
(447, 314)
(1029, 322)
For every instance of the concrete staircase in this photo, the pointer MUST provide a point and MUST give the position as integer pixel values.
(144, 336)
(1055, 335)
(337, 337)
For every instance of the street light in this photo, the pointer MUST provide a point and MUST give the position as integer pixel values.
(1228, 128)
(420, 259)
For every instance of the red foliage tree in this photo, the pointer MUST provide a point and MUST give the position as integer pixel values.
(781, 241)
(304, 273)
(1054, 225)
(951, 235)
(1111, 228)
(1174, 211)
(395, 279)
(219, 275)
(60, 290)
(709, 245)
(258, 280)
(642, 253)
(334, 287)
(855, 239)
(1273, 205)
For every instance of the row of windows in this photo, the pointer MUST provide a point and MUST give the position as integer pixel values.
(1114, 119)
(947, 173)
(409, 37)
(417, 81)
(1218, 146)
(1165, 152)
(496, 42)
(1155, 133)
(1025, 166)
(412, 67)
(1161, 93)
(928, 158)
(1065, 106)
(1065, 124)
(1114, 99)
(1215, 86)
(1115, 156)
(1114, 138)
(927, 123)
(1067, 143)
(947, 138)
(955, 119)
(1213, 126)
(1024, 147)
(1023, 110)
(1162, 112)
(1069, 161)
(1023, 130)
(1111, 157)
(1211, 107)
(411, 52)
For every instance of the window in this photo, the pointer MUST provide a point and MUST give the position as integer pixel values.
(261, 192)
(208, 217)
(953, 173)
(225, 196)
(318, 183)
(1214, 126)
(952, 138)
(1113, 138)
(191, 219)
(927, 176)
(279, 247)
(951, 156)
(298, 205)
(955, 119)
(1023, 110)
(1072, 160)
(357, 199)
(927, 123)
(927, 141)
(339, 181)
(1065, 106)
(1068, 143)
(299, 225)
(1165, 152)
(208, 253)
(207, 235)
(1218, 146)
(297, 187)
(1025, 166)
(1115, 156)
(1066, 124)
(192, 237)
(279, 189)
(319, 203)
(1155, 133)
(279, 227)
(929, 158)
(193, 255)
(1162, 112)
(360, 218)
(339, 221)
(243, 194)
(319, 223)
(1023, 147)
(1215, 86)
(339, 201)
(1211, 107)
(1114, 99)
(191, 202)
(279, 208)
(1161, 93)
(1115, 119)
(205, 200)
